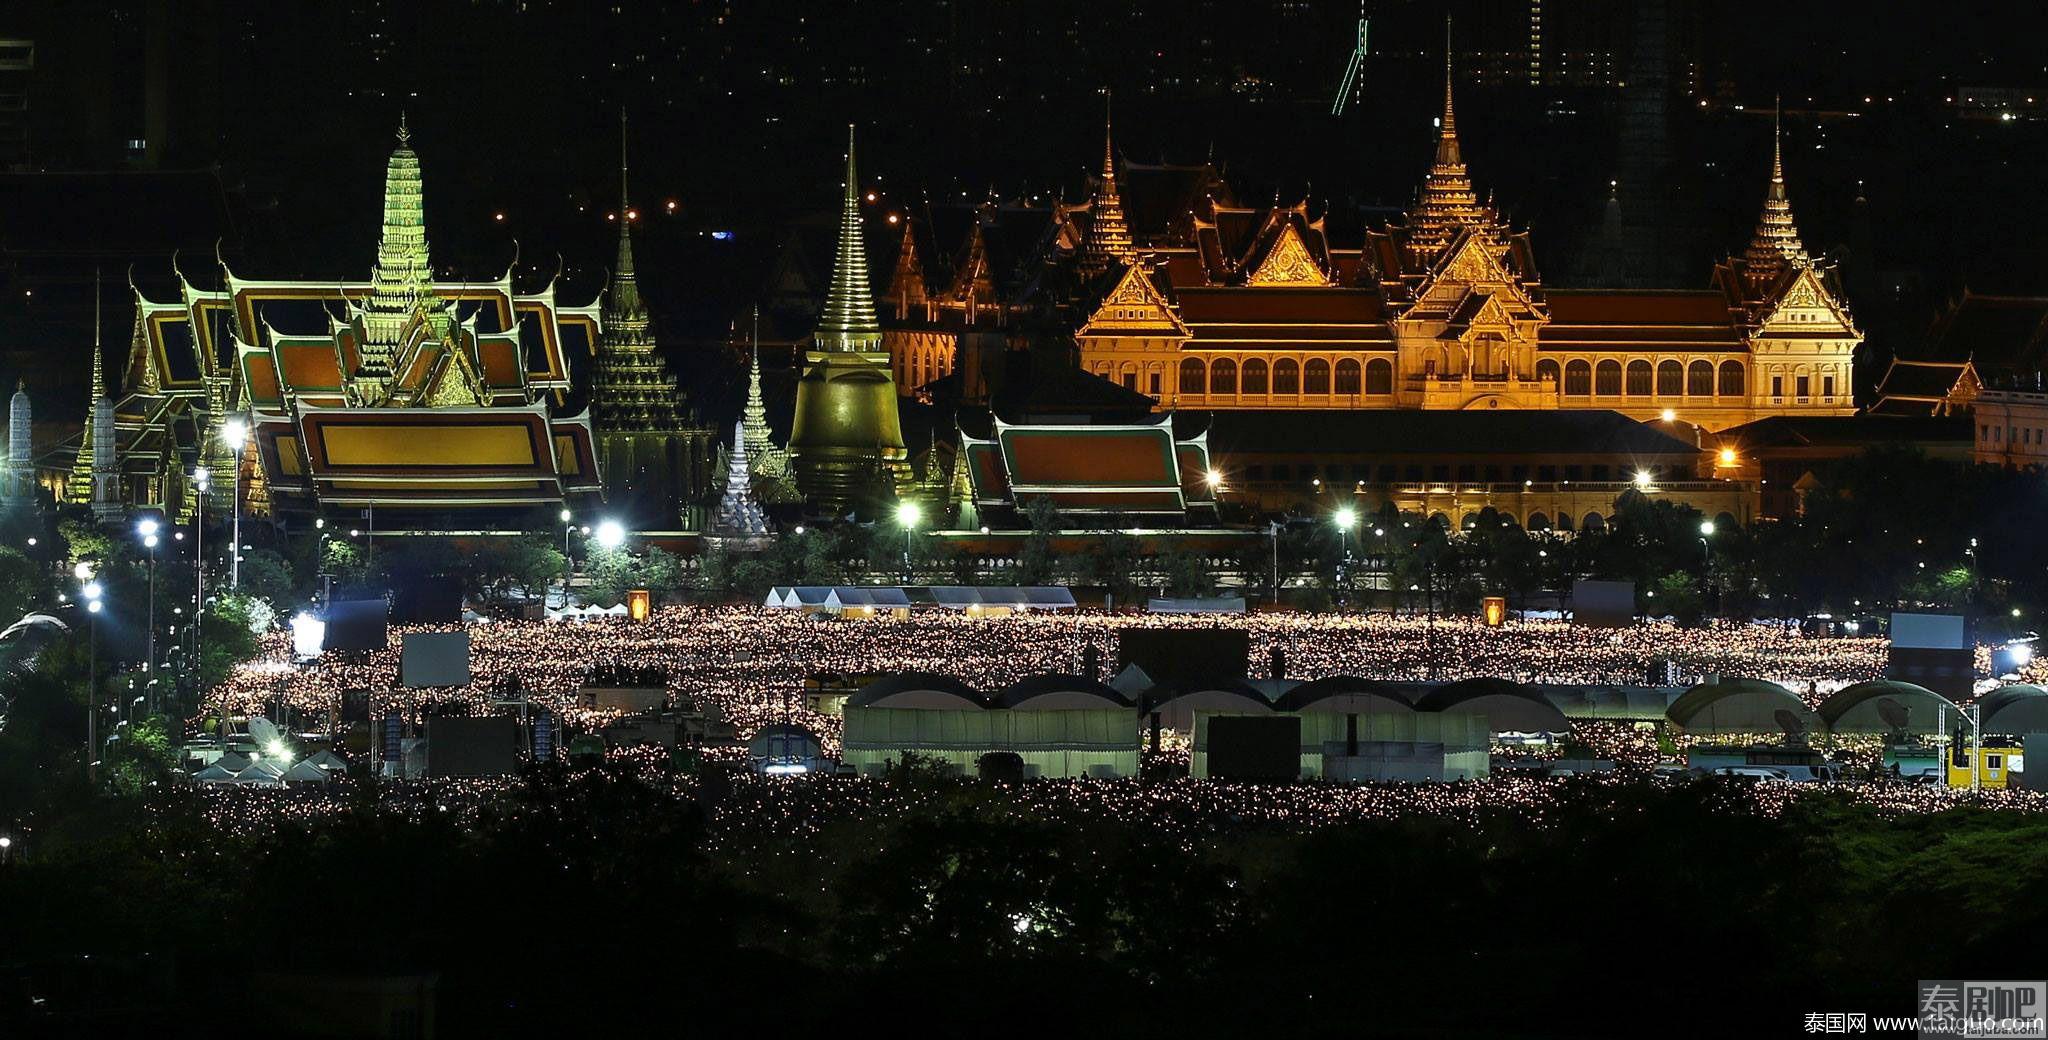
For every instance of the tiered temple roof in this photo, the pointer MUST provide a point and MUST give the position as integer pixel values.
(343, 378)
(632, 390)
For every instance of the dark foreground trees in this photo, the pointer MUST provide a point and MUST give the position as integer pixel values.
(604, 900)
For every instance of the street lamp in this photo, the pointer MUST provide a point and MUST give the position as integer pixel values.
(202, 480)
(610, 534)
(147, 527)
(568, 559)
(907, 514)
(1707, 557)
(235, 432)
(92, 592)
(1345, 519)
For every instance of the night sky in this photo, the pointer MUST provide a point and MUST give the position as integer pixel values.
(287, 112)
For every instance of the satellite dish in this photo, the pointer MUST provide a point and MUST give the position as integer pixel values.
(1893, 713)
(264, 732)
(1791, 723)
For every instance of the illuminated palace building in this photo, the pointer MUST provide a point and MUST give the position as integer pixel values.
(402, 395)
(1223, 307)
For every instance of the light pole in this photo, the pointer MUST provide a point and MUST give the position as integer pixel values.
(1707, 557)
(907, 514)
(203, 481)
(1345, 519)
(568, 561)
(147, 526)
(1273, 531)
(1385, 564)
(235, 432)
(92, 591)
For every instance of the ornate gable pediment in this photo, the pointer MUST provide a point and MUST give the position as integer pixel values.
(1806, 305)
(1491, 315)
(1289, 263)
(1134, 305)
(1473, 264)
(1967, 387)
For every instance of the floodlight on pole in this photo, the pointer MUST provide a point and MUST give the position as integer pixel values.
(610, 534)
(1706, 528)
(907, 514)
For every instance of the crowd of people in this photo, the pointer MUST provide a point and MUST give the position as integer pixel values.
(753, 815)
(747, 666)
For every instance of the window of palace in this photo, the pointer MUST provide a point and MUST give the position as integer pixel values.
(1699, 379)
(1777, 386)
(1286, 377)
(1731, 379)
(1254, 381)
(1155, 384)
(1578, 379)
(1547, 369)
(1607, 379)
(1414, 473)
(1315, 376)
(1804, 385)
(1827, 386)
(1223, 376)
(1639, 379)
(1670, 379)
(1600, 471)
(1547, 474)
(1191, 376)
(1130, 380)
(1347, 376)
(1379, 376)
(1440, 473)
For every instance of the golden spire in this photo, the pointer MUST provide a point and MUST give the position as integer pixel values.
(1775, 246)
(849, 322)
(625, 289)
(80, 486)
(1109, 236)
(1447, 200)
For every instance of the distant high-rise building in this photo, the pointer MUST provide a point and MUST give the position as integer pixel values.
(17, 65)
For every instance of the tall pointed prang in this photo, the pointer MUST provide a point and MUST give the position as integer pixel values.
(403, 283)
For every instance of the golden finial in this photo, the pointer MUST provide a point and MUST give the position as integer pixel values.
(1778, 138)
(1449, 123)
(404, 133)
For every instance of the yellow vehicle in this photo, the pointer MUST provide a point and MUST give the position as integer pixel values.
(2003, 762)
